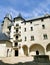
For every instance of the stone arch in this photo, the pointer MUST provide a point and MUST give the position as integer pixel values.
(36, 47)
(48, 47)
(25, 50)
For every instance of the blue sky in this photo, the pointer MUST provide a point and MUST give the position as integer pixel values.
(27, 8)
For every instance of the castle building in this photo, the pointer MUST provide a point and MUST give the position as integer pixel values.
(22, 37)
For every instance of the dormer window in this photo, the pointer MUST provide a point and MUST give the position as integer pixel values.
(42, 20)
(30, 22)
(25, 23)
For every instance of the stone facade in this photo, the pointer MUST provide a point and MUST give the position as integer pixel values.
(28, 36)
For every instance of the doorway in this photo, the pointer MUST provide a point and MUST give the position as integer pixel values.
(16, 52)
(37, 52)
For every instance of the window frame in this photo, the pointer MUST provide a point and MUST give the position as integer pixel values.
(32, 38)
(24, 29)
(45, 36)
(31, 28)
(25, 38)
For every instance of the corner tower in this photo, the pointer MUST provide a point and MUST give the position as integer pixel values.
(6, 22)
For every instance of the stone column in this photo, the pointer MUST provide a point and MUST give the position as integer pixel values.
(45, 51)
(13, 44)
(28, 51)
(21, 53)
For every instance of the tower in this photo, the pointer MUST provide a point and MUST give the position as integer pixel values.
(7, 21)
(15, 35)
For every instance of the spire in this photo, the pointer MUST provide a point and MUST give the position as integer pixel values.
(19, 15)
(8, 16)
(46, 14)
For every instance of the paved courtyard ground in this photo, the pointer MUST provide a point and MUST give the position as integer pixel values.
(21, 61)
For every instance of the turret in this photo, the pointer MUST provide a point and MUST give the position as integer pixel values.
(6, 22)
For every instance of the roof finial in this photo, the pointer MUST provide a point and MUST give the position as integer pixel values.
(46, 14)
(9, 16)
(19, 15)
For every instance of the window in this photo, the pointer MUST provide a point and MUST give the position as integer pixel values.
(32, 38)
(25, 38)
(20, 27)
(43, 26)
(7, 52)
(9, 28)
(16, 43)
(25, 29)
(30, 22)
(31, 28)
(42, 20)
(45, 36)
(16, 37)
(25, 23)
(16, 30)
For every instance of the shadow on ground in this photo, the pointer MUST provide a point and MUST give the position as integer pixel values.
(38, 60)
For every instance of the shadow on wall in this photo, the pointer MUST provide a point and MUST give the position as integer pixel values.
(38, 60)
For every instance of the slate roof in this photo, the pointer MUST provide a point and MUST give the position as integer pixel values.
(19, 17)
(38, 18)
(3, 37)
(10, 24)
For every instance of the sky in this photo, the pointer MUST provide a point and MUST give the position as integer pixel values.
(27, 8)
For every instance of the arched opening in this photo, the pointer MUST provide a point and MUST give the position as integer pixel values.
(48, 47)
(36, 49)
(25, 50)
